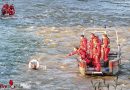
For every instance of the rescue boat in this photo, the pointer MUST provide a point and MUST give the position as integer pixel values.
(112, 69)
(7, 10)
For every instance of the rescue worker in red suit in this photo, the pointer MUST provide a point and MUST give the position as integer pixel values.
(82, 54)
(11, 83)
(5, 9)
(8, 9)
(105, 49)
(83, 43)
(98, 41)
(96, 54)
(91, 46)
(11, 10)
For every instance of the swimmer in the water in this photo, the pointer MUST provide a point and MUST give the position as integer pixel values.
(34, 64)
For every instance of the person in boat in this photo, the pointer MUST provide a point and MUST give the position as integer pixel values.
(34, 64)
(105, 49)
(98, 42)
(83, 43)
(8, 9)
(92, 41)
(82, 54)
(11, 10)
(96, 54)
(91, 45)
(5, 9)
(12, 7)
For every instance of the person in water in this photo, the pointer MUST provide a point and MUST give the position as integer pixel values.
(5, 9)
(34, 64)
(11, 10)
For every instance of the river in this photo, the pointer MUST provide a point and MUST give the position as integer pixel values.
(47, 30)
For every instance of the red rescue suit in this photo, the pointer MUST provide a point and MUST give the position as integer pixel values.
(91, 45)
(5, 9)
(12, 7)
(105, 49)
(11, 82)
(91, 48)
(82, 55)
(83, 44)
(97, 52)
(11, 10)
(97, 56)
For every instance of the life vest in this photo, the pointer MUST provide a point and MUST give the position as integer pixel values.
(11, 10)
(83, 44)
(105, 42)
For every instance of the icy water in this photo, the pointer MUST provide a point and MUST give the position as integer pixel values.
(47, 30)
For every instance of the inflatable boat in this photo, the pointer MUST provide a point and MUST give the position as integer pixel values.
(7, 10)
(113, 64)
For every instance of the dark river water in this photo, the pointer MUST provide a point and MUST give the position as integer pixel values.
(46, 30)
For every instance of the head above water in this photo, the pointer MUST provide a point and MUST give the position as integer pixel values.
(6, 5)
(34, 66)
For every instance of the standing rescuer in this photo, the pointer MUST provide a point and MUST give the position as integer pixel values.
(83, 43)
(96, 54)
(91, 46)
(105, 49)
(8, 9)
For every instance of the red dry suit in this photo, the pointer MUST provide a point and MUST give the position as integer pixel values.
(105, 49)
(98, 67)
(91, 48)
(97, 56)
(5, 6)
(11, 10)
(83, 44)
(99, 41)
(5, 9)
(82, 55)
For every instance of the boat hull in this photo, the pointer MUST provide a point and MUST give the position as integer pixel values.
(112, 69)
